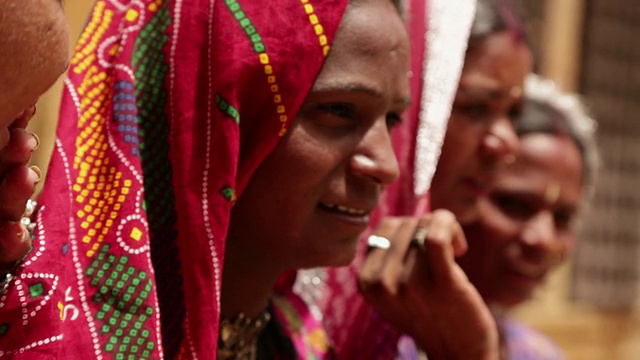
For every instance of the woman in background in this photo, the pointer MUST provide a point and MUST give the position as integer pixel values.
(527, 222)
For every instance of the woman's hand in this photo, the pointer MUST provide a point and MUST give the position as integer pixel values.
(423, 292)
(17, 185)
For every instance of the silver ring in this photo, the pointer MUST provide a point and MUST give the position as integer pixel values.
(419, 237)
(26, 220)
(379, 242)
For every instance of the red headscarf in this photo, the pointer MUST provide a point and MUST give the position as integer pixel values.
(147, 164)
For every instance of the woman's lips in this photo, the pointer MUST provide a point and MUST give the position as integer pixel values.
(352, 214)
(527, 278)
(345, 209)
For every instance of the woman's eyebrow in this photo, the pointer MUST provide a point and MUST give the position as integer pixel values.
(331, 87)
(356, 87)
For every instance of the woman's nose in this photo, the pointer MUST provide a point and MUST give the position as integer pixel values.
(539, 236)
(375, 158)
(501, 140)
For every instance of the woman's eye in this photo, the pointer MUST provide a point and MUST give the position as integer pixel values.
(515, 112)
(513, 207)
(338, 109)
(472, 110)
(563, 219)
(393, 119)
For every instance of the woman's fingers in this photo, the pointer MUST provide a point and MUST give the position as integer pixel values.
(423, 292)
(373, 265)
(443, 239)
(18, 151)
(391, 275)
(15, 243)
(6, 134)
(23, 120)
(15, 189)
(431, 262)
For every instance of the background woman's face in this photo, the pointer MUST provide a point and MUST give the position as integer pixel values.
(525, 225)
(34, 52)
(480, 134)
(309, 201)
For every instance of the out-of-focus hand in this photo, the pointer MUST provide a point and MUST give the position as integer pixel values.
(17, 185)
(423, 292)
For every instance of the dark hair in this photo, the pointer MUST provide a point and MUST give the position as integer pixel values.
(493, 16)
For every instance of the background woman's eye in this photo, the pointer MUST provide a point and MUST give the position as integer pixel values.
(563, 219)
(515, 112)
(393, 119)
(338, 109)
(472, 110)
(513, 207)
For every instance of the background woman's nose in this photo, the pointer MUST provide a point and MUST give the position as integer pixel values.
(501, 139)
(540, 236)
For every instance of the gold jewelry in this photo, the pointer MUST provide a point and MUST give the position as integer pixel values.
(238, 337)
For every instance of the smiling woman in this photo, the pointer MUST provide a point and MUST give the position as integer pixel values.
(310, 199)
(273, 162)
(308, 202)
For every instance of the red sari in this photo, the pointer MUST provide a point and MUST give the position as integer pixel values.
(148, 161)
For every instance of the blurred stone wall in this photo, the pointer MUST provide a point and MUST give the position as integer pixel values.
(607, 262)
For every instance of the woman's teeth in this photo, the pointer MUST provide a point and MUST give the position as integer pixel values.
(345, 209)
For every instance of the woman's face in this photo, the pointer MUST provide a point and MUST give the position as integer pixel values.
(525, 225)
(308, 202)
(34, 52)
(480, 134)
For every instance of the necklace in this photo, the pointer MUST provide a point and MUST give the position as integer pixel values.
(239, 336)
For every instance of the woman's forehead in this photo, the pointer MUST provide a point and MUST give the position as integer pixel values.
(370, 50)
(544, 159)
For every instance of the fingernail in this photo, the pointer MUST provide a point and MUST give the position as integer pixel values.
(35, 174)
(20, 231)
(29, 112)
(34, 142)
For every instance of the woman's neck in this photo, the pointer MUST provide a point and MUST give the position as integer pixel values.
(248, 279)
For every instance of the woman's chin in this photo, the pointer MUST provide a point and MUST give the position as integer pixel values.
(336, 257)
